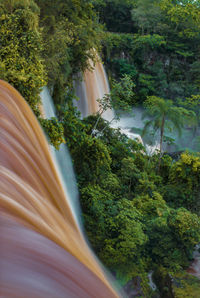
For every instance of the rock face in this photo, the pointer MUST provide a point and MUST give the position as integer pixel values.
(163, 282)
(133, 288)
(194, 268)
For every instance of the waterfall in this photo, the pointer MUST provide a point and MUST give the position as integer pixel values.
(94, 85)
(151, 283)
(82, 103)
(43, 252)
(62, 158)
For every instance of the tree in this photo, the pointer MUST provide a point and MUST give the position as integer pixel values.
(183, 186)
(147, 15)
(70, 33)
(121, 97)
(21, 44)
(161, 51)
(163, 113)
(116, 14)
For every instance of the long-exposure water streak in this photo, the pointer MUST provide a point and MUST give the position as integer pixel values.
(43, 253)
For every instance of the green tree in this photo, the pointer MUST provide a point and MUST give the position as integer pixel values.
(121, 97)
(54, 130)
(183, 186)
(161, 50)
(21, 44)
(116, 14)
(147, 15)
(70, 33)
(163, 113)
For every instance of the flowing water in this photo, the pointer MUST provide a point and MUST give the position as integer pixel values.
(62, 158)
(42, 253)
(94, 85)
(151, 283)
(129, 123)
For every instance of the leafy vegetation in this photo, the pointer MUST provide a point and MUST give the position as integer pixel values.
(70, 35)
(140, 212)
(20, 51)
(157, 44)
(186, 286)
(136, 219)
(162, 113)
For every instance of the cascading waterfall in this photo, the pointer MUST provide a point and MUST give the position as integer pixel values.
(94, 85)
(82, 103)
(43, 252)
(62, 158)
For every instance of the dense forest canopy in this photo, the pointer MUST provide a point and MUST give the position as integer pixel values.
(160, 50)
(140, 212)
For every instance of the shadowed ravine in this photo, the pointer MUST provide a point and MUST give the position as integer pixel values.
(43, 253)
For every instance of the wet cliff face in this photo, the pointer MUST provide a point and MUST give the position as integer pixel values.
(194, 268)
(163, 282)
(43, 252)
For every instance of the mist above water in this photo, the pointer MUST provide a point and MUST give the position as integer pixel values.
(94, 85)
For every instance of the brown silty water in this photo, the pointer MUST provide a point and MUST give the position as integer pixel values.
(42, 253)
(96, 86)
(90, 79)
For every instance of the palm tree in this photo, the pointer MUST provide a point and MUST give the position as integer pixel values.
(161, 113)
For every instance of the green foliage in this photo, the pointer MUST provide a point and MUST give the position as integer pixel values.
(163, 113)
(121, 68)
(116, 14)
(21, 62)
(129, 220)
(192, 103)
(185, 16)
(91, 156)
(21, 44)
(114, 229)
(74, 128)
(149, 41)
(160, 47)
(172, 233)
(71, 33)
(127, 240)
(54, 130)
(186, 227)
(185, 285)
(184, 183)
(147, 16)
(136, 217)
(122, 94)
